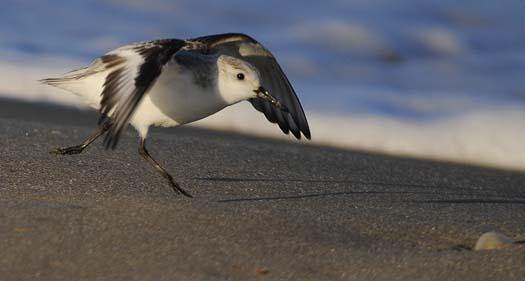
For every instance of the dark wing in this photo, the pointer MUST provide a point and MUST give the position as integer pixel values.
(273, 79)
(134, 70)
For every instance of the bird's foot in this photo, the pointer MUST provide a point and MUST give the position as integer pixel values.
(77, 149)
(177, 188)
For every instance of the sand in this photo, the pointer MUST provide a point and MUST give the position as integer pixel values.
(262, 209)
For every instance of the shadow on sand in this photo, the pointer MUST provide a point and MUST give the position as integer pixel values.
(476, 201)
(374, 183)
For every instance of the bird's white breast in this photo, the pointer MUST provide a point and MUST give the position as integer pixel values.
(175, 99)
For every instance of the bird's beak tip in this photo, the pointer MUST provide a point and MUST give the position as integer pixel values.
(264, 94)
(261, 90)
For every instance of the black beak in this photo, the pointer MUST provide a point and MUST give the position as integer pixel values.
(263, 94)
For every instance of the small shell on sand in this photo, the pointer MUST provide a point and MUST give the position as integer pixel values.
(493, 240)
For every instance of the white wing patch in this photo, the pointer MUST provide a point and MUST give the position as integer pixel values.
(122, 68)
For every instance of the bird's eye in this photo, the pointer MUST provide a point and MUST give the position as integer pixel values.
(240, 76)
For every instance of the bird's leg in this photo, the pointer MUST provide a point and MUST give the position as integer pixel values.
(76, 149)
(145, 154)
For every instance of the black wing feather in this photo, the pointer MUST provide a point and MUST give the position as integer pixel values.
(155, 54)
(274, 80)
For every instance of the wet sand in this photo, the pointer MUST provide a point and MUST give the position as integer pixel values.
(262, 209)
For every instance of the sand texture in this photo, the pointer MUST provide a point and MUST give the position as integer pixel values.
(262, 209)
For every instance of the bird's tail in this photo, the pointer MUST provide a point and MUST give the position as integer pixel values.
(67, 78)
(86, 82)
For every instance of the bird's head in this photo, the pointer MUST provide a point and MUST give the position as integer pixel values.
(238, 80)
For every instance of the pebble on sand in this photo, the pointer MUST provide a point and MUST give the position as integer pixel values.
(493, 240)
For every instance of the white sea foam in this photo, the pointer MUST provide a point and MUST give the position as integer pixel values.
(491, 137)
(19, 80)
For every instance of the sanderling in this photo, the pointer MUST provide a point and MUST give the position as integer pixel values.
(172, 82)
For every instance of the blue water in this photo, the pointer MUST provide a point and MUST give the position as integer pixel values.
(408, 59)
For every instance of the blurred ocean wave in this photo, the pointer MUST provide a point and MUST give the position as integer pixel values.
(425, 78)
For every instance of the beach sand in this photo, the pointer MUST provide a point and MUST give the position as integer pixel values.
(262, 209)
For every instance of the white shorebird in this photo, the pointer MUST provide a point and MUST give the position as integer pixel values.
(172, 82)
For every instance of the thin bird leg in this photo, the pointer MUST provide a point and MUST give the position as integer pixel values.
(77, 149)
(145, 154)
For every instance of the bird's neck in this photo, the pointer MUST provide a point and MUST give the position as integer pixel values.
(227, 92)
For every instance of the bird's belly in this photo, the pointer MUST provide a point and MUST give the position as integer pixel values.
(184, 109)
(184, 102)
